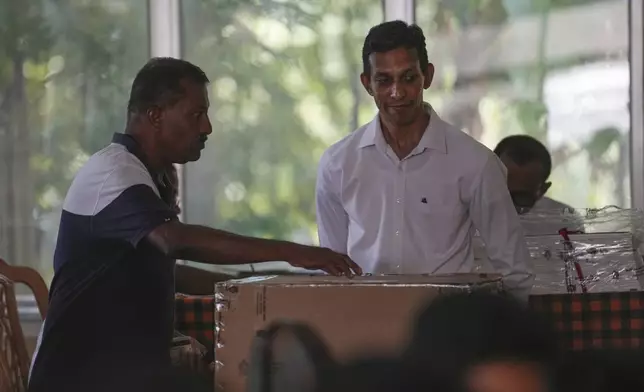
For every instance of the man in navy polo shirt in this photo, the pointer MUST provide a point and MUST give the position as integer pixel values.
(110, 320)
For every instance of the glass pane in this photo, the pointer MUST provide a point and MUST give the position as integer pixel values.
(285, 85)
(65, 71)
(557, 70)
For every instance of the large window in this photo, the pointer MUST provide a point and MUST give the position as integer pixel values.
(554, 69)
(285, 85)
(65, 72)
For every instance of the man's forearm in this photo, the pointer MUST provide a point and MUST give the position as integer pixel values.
(207, 245)
(196, 281)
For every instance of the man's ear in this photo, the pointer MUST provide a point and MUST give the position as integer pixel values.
(365, 79)
(154, 116)
(429, 75)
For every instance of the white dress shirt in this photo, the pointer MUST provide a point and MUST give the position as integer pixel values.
(548, 216)
(418, 215)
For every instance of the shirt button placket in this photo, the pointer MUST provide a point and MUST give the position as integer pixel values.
(398, 216)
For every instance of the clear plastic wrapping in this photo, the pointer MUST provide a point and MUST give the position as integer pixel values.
(189, 353)
(582, 250)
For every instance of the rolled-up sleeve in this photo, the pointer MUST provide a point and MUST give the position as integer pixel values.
(332, 219)
(496, 219)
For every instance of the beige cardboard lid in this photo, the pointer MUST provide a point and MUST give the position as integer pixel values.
(468, 279)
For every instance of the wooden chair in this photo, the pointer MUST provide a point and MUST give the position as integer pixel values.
(14, 361)
(289, 357)
(31, 278)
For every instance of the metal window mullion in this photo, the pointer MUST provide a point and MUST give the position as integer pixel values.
(636, 31)
(165, 41)
(165, 28)
(400, 10)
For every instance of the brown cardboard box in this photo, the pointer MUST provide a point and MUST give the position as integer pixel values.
(353, 316)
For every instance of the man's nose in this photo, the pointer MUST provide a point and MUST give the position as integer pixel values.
(206, 128)
(397, 92)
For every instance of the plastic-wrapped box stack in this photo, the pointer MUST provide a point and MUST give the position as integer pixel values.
(592, 250)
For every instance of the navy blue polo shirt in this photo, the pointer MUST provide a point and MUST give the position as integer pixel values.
(111, 311)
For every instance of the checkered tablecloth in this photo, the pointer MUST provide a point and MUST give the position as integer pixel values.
(195, 317)
(595, 320)
(584, 321)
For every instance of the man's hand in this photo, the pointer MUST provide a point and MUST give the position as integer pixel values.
(315, 258)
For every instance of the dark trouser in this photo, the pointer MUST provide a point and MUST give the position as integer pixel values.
(172, 379)
(184, 379)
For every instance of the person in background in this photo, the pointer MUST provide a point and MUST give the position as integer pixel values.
(111, 312)
(529, 164)
(405, 193)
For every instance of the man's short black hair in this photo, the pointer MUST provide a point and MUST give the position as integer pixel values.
(393, 35)
(158, 83)
(524, 149)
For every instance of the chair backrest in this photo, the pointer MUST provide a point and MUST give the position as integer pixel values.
(14, 361)
(288, 357)
(31, 278)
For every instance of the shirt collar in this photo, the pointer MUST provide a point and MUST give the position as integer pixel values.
(161, 179)
(134, 148)
(433, 138)
(130, 144)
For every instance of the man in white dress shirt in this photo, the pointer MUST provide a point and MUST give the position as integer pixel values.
(529, 165)
(405, 193)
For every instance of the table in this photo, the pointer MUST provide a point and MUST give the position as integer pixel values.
(595, 320)
(584, 321)
(195, 317)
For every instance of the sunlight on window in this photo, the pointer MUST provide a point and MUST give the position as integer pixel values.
(225, 88)
(235, 191)
(316, 117)
(561, 76)
(224, 113)
(302, 36)
(73, 73)
(271, 33)
(55, 65)
(298, 61)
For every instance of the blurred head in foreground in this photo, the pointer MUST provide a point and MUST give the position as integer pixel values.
(480, 342)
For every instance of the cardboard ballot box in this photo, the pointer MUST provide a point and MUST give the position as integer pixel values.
(354, 317)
